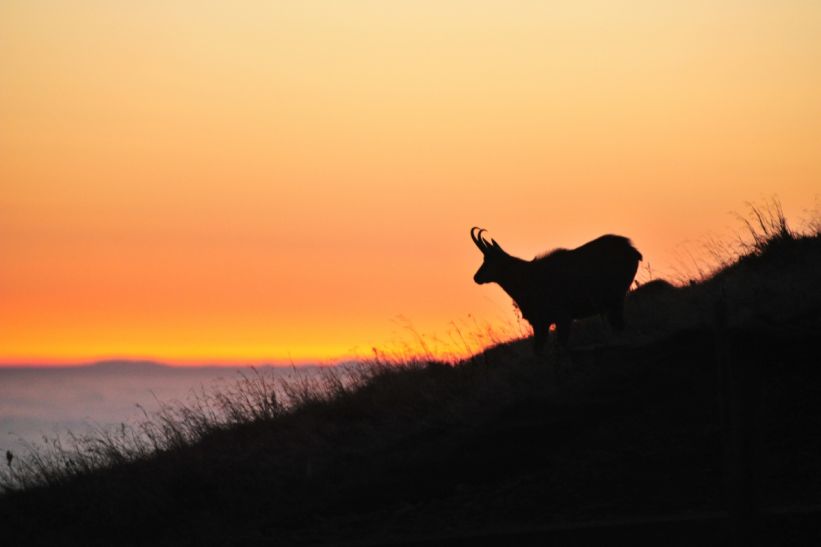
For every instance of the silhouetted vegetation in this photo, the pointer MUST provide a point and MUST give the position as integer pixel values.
(494, 448)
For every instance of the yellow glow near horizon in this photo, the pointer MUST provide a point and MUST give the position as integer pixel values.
(206, 181)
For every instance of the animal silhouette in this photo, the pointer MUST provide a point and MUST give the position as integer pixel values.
(563, 285)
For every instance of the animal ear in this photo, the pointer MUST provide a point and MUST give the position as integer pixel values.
(496, 246)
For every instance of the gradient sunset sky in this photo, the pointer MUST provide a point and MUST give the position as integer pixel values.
(258, 181)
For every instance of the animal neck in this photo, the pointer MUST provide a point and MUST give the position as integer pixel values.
(513, 279)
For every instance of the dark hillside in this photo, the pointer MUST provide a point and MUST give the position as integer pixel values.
(627, 440)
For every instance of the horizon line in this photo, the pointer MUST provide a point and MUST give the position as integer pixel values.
(172, 363)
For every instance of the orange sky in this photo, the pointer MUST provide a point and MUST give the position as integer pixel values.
(244, 182)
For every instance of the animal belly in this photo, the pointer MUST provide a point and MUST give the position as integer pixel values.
(583, 306)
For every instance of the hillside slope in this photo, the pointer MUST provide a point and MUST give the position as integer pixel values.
(631, 427)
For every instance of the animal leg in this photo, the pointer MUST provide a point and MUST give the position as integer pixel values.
(615, 315)
(562, 354)
(563, 332)
(540, 334)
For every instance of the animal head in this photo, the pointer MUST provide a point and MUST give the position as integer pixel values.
(494, 263)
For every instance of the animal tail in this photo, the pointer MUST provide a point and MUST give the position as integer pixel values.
(636, 253)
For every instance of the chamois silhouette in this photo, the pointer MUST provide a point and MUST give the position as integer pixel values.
(562, 285)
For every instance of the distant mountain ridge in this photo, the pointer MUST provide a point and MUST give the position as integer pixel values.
(125, 365)
(118, 365)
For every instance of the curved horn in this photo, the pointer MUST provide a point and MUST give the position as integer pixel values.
(476, 236)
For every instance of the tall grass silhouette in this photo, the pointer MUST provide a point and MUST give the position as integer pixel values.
(423, 374)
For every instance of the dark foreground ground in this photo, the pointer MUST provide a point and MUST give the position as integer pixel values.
(708, 406)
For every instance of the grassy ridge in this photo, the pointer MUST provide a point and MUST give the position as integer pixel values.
(631, 427)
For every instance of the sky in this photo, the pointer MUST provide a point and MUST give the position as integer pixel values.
(292, 181)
